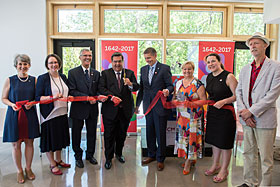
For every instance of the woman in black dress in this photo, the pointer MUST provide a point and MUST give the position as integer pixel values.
(221, 125)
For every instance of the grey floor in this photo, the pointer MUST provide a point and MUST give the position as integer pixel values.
(130, 174)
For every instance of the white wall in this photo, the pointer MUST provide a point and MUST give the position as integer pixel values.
(22, 30)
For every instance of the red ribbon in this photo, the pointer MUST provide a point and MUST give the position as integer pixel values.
(186, 104)
(19, 104)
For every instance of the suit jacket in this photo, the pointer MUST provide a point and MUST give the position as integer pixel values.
(43, 88)
(79, 86)
(108, 85)
(162, 79)
(264, 93)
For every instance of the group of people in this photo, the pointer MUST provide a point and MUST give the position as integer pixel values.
(256, 94)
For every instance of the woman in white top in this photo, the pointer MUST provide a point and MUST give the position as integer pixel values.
(53, 118)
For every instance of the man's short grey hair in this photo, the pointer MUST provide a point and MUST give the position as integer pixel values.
(81, 52)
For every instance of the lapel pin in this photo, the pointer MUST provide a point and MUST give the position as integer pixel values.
(221, 80)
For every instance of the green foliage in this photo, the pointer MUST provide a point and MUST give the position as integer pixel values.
(248, 23)
(180, 51)
(131, 21)
(241, 58)
(196, 22)
(70, 58)
(144, 44)
(75, 20)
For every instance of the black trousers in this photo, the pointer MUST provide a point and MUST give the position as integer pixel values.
(77, 127)
(115, 134)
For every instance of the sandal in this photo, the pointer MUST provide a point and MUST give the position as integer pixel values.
(58, 172)
(63, 164)
(29, 174)
(192, 164)
(20, 178)
(217, 179)
(210, 173)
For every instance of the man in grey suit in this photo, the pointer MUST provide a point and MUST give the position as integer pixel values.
(256, 95)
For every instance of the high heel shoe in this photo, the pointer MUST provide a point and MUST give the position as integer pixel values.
(217, 179)
(210, 173)
(192, 164)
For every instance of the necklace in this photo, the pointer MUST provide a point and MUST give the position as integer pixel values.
(23, 80)
(57, 85)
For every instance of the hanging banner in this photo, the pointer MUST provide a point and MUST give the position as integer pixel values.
(129, 50)
(224, 49)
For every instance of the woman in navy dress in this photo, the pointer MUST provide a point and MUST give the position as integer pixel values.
(21, 123)
(53, 118)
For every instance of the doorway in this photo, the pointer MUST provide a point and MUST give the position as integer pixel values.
(69, 50)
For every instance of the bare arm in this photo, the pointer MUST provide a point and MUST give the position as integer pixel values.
(5, 96)
(232, 84)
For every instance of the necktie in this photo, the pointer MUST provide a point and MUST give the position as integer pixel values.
(87, 75)
(151, 75)
(119, 79)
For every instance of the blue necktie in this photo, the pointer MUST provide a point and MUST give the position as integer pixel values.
(151, 75)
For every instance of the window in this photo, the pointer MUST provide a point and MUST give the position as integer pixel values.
(241, 58)
(134, 20)
(192, 20)
(76, 19)
(248, 21)
(180, 51)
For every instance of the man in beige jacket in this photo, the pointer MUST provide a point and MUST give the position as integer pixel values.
(256, 95)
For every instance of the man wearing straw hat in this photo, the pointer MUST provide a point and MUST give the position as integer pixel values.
(256, 95)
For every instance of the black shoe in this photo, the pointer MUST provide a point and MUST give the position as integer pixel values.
(243, 185)
(92, 160)
(108, 164)
(121, 159)
(79, 163)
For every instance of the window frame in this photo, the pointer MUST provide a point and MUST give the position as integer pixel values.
(194, 9)
(71, 7)
(130, 7)
(249, 10)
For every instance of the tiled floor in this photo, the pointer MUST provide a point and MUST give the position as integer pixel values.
(130, 174)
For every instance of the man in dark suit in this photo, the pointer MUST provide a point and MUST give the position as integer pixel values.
(118, 82)
(83, 81)
(155, 77)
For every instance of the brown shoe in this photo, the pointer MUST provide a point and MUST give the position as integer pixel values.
(160, 166)
(148, 160)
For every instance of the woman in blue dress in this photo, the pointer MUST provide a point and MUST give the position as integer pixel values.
(21, 123)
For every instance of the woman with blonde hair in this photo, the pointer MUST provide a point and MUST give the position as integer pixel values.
(189, 130)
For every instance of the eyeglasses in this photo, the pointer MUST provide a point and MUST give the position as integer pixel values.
(55, 62)
(86, 55)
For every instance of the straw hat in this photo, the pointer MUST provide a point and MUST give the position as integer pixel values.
(259, 36)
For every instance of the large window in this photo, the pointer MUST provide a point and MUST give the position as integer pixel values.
(73, 19)
(195, 20)
(138, 19)
(247, 22)
(180, 51)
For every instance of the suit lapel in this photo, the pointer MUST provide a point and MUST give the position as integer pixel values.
(247, 82)
(263, 70)
(113, 75)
